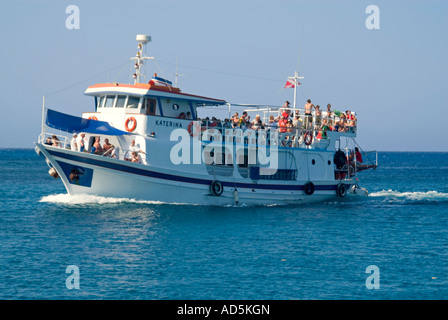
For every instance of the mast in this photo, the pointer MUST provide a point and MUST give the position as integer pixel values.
(140, 57)
(177, 75)
(295, 81)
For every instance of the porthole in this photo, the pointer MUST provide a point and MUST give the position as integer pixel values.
(175, 107)
(313, 162)
(329, 162)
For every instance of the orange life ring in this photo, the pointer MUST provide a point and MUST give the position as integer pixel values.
(308, 138)
(134, 124)
(93, 118)
(190, 128)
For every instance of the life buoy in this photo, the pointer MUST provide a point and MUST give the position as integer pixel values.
(216, 188)
(309, 188)
(134, 124)
(93, 118)
(308, 138)
(191, 126)
(341, 190)
(339, 159)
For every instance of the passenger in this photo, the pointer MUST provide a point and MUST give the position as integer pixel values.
(282, 124)
(342, 125)
(285, 111)
(328, 108)
(73, 143)
(358, 155)
(243, 119)
(227, 124)
(182, 116)
(329, 119)
(272, 124)
(308, 115)
(324, 129)
(48, 141)
(82, 142)
(135, 157)
(351, 121)
(115, 152)
(289, 125)
(134, 148)
(107, 148)
(297, 123)
(97, 146)
(318, 115)
(213, 123)
(247, 125)
(56, 141)
(256, 125)
(349, 117)
(235, 119)
(257, 119)
(188, 115)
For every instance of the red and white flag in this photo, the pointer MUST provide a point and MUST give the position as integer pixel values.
(291, 83)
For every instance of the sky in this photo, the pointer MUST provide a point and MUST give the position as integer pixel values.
(242, 51)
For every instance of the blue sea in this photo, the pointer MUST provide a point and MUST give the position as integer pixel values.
(129, 249)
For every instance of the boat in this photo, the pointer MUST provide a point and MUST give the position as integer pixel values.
(160, 147)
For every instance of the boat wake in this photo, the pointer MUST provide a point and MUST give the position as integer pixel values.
(418, 196)
(82, 199)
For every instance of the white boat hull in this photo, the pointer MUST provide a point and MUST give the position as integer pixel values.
(109, 177)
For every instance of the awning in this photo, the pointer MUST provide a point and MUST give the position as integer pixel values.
(65, 122)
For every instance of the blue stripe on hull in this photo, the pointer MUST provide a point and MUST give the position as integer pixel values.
(165, 176)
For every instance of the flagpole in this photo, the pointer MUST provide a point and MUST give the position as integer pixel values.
(295, 89)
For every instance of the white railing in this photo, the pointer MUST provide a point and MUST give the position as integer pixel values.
(63, 142)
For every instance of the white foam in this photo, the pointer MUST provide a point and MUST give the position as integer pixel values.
(418, 195)
(76, 199)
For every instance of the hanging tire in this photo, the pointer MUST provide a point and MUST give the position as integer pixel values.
(309, 188)
(341, 190)
(216, 188)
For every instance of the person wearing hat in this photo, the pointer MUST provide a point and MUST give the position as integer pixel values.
(73, 143)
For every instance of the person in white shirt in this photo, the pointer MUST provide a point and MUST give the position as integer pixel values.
(133, 148)
(82, 143)
(73, 143)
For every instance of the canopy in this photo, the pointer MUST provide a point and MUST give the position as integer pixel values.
(72, 124)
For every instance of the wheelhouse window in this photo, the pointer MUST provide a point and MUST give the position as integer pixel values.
(133, 102)
(100, 101)
(121, 100)
(109, 102)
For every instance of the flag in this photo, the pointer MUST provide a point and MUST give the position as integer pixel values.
(291, 83)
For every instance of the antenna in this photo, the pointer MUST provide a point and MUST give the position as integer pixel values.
(140, 57)
(177, 74)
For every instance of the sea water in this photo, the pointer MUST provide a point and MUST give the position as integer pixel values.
(130, 249)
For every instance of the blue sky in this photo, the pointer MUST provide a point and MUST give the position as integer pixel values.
(395, 78)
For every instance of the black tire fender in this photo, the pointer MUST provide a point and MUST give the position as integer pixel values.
(341, 190)
(216, 188)
(309, 188)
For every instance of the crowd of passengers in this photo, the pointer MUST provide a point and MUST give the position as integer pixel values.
(107, 149)
(290, 121)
